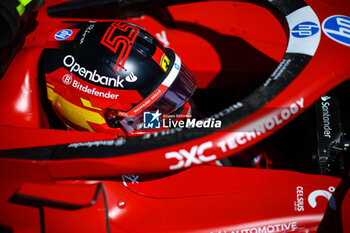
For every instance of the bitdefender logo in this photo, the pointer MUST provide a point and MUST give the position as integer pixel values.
(151, 120)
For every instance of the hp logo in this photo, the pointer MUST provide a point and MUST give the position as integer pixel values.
(337, 28)
(63, 34)
(305, 29)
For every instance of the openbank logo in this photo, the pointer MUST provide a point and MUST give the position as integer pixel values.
(91, 76)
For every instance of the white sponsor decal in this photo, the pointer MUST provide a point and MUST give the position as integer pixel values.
(271, 228)
(87, 30)
(119, 142)
(304, 45)
(130, 178)
(131, 78)
(196, 155)
(278, 71)
(67, 79)
(93, 91)
(299, 203)
(163, 38)
(240, 138)
(93, 76)
(325, 98)
(228, 110)
(322, 193)
(162, 133)
(326, 116)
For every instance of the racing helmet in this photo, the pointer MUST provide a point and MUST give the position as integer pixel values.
(103, 77)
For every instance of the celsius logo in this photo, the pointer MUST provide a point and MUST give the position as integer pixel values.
(67, 79)
(337, 27)
(326, 116)
(195, 155)
(151, 120)
(299, 203)
(92, 76)
(322, 193)
(305, 29)
(131, 78)
(63, 34)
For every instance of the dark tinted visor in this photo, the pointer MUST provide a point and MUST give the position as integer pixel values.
(178, 93)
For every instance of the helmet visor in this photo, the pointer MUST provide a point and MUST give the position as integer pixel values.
(178, 90)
